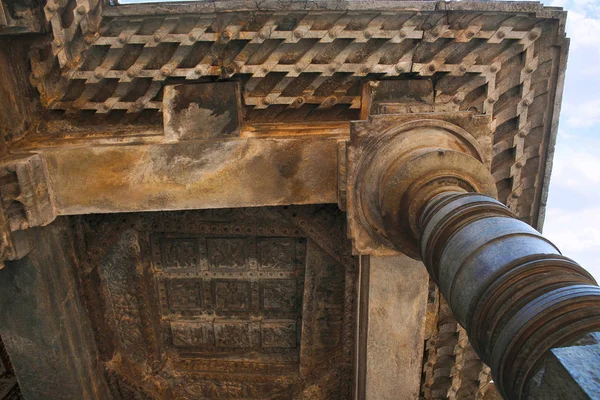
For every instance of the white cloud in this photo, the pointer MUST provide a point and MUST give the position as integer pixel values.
(577, 234)
(582, 114)
(583, 32)
(573, 214)
(577, 166)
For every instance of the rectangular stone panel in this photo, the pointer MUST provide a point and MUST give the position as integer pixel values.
(239, 307)
(192, 334)
(184, 294)
(179, 252)
(233, 335)
(202, 111)
(276, 254)
(231, 295)
(279, 334)
(229, 254)
(278, 296)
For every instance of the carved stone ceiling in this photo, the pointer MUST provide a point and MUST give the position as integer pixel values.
(169, 309)
(107, 65)
(233, 303)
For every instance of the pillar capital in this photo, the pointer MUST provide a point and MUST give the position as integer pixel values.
(397, 163)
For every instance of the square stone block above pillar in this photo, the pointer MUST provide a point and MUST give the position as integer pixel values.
(391, 328)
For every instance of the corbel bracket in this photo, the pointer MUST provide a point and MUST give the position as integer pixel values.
(26, 201)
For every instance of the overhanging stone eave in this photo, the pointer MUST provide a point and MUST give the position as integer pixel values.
(174, 8)
(427, 28)
(548, 155)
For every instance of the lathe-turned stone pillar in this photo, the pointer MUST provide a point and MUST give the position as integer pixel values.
(422, 188)
(511, 289)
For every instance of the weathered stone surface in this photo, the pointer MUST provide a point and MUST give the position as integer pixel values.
(17, 17)
(101, 75)
(228, 303)
(26, 201)
(18, 99)
(399, 97)
(397, 161)
(194, 175)
(43, 325)
(307, 62)
(569, 373)
(397, 299)
(202, 111)
(9, 389)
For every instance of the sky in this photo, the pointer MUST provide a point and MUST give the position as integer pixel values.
(573, 212)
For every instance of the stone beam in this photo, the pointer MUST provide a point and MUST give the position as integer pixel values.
(206, 156)
(240, 172)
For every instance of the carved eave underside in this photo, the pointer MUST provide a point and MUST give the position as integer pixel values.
(300, 62)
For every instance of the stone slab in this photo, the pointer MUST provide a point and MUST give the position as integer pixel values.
(43, 325)
(194, 175)
(202, 111)
(398, 288)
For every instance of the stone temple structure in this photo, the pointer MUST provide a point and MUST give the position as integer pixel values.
(272, 199)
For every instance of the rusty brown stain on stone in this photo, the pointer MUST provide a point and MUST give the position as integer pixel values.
(202, 111)
(235, 173)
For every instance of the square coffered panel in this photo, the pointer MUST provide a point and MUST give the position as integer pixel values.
(247, 302)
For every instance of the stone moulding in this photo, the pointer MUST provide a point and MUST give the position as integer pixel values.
(303, 71)
(396, 151)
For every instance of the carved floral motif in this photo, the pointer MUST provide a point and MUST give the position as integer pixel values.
(121, 282)
(279, 334)
(192, 334)
(179, 253)
(226, 253)
(231, 295)
(232, 335)
(184, 294)
(230, 318)
(279, 295)
(276, 253)
(222, 390)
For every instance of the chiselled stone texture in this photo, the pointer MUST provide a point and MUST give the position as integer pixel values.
(299, 62)
(43, 323)
(18, 17)
(451, 368)
(9, 389)
(230, 303)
